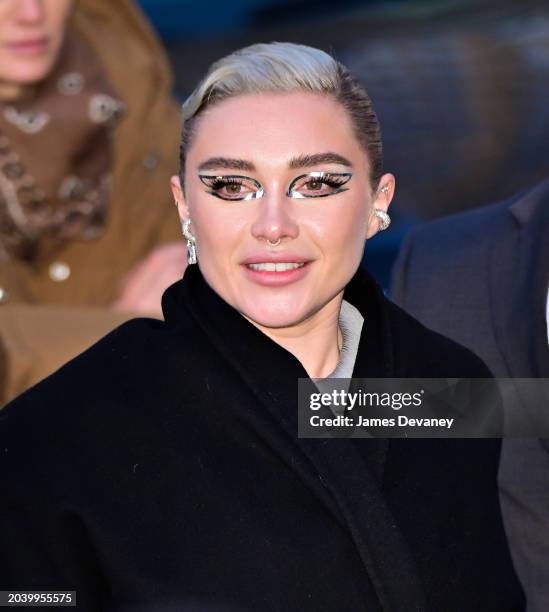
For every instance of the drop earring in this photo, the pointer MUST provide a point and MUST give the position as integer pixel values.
(383, 217)
(191, 242)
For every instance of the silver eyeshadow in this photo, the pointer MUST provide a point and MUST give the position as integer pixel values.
(334, 179)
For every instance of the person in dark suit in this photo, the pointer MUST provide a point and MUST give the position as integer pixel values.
(481, 277)
(163, 468)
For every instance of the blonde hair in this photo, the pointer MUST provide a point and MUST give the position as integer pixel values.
(286, 68)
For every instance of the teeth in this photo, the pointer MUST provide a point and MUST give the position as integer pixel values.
(275, 267)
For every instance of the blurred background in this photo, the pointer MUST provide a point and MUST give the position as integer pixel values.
(461, 88)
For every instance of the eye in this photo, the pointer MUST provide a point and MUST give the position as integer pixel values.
(232, 187)
(318, 184)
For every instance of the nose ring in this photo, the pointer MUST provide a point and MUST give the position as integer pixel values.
(275, 243)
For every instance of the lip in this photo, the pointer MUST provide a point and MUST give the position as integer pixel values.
(276, 279)
(30, 46)
(278, 257)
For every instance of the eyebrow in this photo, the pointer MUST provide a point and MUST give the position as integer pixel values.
(301, 161)
(307, 161)
(226, 162)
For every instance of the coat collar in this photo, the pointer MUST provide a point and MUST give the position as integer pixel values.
(519, 277)
(350, 480)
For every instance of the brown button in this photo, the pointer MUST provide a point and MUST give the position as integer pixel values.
(59, 271)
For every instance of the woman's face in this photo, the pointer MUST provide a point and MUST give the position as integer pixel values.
(264, 148)
(31, 35)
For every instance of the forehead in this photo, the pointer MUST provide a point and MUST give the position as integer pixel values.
(271, 128)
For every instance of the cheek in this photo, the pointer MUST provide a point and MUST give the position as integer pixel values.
(57, 29)
(219, 226)
(58, 12)
(339, 228)
(56, 24)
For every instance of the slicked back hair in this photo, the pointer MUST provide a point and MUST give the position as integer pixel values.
(286, 68)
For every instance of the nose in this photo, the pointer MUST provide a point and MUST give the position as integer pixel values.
(30, 11)
(275, 220)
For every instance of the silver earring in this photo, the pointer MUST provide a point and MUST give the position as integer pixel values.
(191, 242)
(385, 189)
(383, 217)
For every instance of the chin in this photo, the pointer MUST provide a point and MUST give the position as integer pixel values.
(275, 314)
(32, 72)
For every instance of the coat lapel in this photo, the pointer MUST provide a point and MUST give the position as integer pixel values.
(519, 275)
(349, 481)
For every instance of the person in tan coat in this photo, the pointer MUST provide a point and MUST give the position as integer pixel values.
(88, 230)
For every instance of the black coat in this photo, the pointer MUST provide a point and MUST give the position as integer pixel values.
(162, 469)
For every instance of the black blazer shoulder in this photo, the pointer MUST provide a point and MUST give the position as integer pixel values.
(462, 240)
(423, 352)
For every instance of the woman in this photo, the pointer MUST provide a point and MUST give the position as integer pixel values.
(162, 467)
(85, 149)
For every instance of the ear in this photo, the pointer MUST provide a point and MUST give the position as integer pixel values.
(179, 198)
(382, 199)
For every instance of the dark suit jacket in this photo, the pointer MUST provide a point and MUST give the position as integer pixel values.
(162, 468)
(481, 278)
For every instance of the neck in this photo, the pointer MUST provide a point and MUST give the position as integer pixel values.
(10, 91)
(315, 342)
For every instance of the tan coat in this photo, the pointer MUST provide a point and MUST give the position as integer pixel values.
(43, 321)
